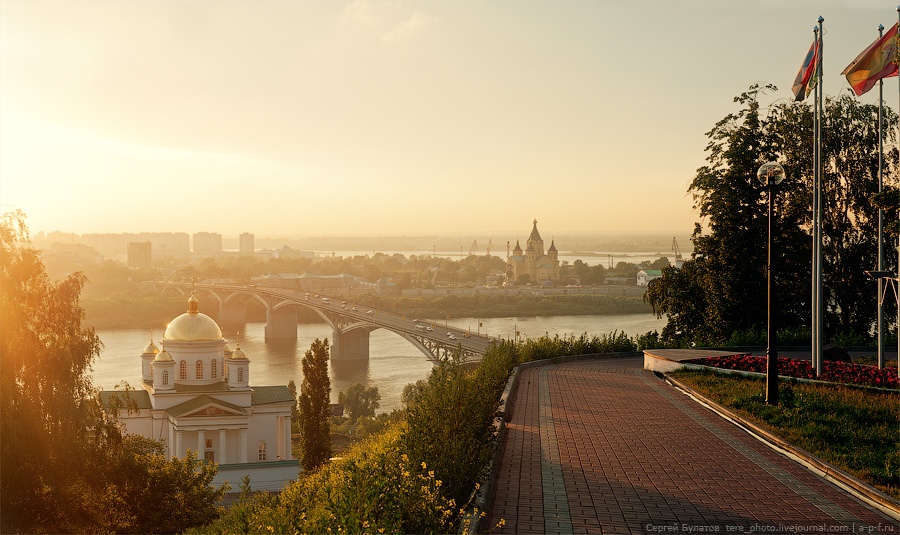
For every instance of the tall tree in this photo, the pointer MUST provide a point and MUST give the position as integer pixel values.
(64, 465)
(46, 402)
(315, 409)
(721, 289)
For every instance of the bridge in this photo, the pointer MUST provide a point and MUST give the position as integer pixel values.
(351, 323)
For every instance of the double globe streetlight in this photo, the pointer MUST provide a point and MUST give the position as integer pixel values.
(771, 174)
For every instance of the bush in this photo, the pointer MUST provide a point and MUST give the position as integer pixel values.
(546, 347)
(450, 420)
(375, 488)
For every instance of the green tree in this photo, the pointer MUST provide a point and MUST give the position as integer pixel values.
(850, 225)
(46, 402)
(449, 423)
(722, 288)
(315, 409)
(295, 408)
(64, 464)
(360, 400)
(139, 478)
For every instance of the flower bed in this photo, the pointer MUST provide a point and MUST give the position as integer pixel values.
(837, 372)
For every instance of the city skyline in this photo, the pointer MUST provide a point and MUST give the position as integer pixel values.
(365, 118)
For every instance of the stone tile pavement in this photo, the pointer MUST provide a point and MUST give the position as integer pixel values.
(602, 446)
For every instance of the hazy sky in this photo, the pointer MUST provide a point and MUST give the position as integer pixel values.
(383, 117)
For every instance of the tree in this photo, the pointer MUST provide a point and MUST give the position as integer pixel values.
(295, 408)
(64, 464)
(722, 288)
(139, 478)
(315, 410)
(360, 400)
(46, 402)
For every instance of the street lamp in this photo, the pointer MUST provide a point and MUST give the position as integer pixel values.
(771, 174)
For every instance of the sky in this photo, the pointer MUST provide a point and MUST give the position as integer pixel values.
(388, 117)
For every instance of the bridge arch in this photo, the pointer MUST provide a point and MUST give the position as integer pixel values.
(350, 329)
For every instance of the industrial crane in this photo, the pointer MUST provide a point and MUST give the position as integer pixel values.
(678, 260)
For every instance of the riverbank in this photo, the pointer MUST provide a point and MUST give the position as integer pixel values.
(152, 311)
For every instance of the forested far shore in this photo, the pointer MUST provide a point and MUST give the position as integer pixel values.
(132, 311)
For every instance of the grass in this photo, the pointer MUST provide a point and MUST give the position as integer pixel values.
(854, 429)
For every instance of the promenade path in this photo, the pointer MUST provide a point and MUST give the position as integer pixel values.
(602, 446)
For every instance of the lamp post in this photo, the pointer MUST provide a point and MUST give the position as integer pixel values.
(771, 174)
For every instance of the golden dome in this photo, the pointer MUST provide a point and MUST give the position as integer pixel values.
(163, 356)
(192, 325)
(151, 349)
(238, 353)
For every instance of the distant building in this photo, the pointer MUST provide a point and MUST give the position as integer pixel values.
(196, 396)
(246, 243)
(207, 242)
(644, 276)
(532, 262)
(139, 254)
(115, 246)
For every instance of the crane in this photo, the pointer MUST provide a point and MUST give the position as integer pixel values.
(678, 260)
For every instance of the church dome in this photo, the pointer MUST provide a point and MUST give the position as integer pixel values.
(192, 326)
(151, 349)
(238, 353)
(163, 356)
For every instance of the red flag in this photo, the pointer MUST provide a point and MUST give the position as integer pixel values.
(877, 61)
(801, 82)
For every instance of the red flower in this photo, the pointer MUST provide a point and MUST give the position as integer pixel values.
(836, 372)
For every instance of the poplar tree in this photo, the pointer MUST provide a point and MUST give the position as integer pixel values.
(315, 409)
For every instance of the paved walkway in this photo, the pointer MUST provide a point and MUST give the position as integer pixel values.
(602, 446)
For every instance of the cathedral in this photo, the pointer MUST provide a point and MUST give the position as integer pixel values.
(196, 395)
(533, 265)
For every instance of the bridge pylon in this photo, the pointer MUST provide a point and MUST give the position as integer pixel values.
(281, 323)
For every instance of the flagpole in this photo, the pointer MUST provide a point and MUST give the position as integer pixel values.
(820, 302)
(815, 210)
(879, 326)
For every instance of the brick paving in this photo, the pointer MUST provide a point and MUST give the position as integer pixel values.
(602, 446)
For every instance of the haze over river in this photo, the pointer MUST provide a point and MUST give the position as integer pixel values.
(393, 362)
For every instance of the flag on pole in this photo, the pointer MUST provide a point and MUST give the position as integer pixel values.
(877, 61)
(802, 87)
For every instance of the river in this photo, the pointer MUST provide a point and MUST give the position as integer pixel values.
(393, 362)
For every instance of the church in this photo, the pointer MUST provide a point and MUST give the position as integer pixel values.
(196, 395)
(533, 265)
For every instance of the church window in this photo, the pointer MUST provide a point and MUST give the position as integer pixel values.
(165, 377)
(209, 456)
(199, 369)
(240, 375)
(262, 450)
(213, 372)
(183, 370)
